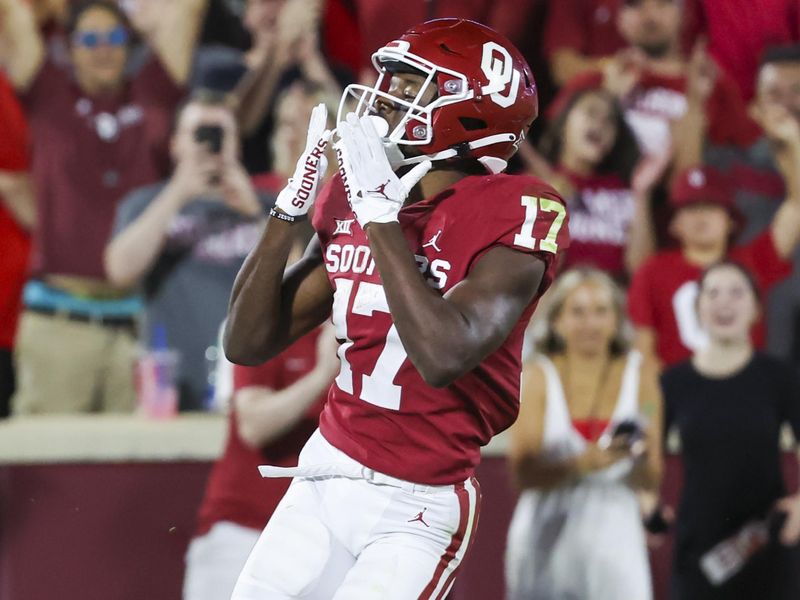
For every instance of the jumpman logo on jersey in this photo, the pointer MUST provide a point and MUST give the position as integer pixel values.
(419, 518)
(381, 189)
(433, 241)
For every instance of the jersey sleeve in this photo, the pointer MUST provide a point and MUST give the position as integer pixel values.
(762, 259)
(269, 374)
(640, 304)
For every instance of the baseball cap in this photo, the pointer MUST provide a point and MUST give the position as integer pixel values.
(704, 185)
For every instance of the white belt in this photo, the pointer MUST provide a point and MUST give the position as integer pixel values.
(350, 471)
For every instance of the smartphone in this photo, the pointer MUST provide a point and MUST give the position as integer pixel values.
(211, 136)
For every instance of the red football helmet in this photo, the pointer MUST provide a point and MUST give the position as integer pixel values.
(486, 96)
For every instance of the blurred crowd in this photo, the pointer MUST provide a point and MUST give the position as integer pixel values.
(142, 144)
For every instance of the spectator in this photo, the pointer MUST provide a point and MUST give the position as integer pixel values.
(285, 45)
(381, 21)
(275, 410)
(183, 240)
(649, 78)
(589, 154)
(76, 342)
(728, 404)
(664, 289)
(577, 531)
(739, 31)
(760, 174)
(579, 35)
(16, 219)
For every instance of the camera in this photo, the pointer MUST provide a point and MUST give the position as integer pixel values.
(211, 136)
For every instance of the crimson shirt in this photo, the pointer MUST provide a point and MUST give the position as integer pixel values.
(664, 289)
(658, 100)
(739, 31)
(87, 154)
(380, 411)
(235, 491)
(14, 241)
(381, 21)
(587, 26)
(600, 217)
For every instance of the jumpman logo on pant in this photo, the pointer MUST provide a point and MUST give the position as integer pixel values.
(419, 518)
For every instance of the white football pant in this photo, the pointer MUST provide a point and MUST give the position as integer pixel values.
(345, 532)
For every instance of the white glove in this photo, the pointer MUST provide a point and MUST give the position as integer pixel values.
(375, 193)
(299, 194)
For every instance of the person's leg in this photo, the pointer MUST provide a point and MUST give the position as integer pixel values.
(417, 546)
(214, 561)
(118, 393)
(57, 365)
(296, 556)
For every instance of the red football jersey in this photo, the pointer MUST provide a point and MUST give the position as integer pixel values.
(380, 411)
(664, 290)
(235, 491)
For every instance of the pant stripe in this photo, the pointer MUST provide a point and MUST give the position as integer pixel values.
(447, 565)
(476, 506)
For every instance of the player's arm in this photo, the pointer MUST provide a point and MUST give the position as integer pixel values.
(447, 336)
(22, 50)
(270, 309)
(272, 306)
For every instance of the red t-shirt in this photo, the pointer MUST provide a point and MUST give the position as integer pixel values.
(657, 100)
(235, 491)
(381, 21)
(87, 154)
(14, 241)
(380, 411)
(586, 26)
(664, 289)
(739, 31)
(600, 217)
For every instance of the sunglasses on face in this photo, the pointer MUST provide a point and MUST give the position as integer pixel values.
(118, 36)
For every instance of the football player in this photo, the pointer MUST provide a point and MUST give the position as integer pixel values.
(430, 261)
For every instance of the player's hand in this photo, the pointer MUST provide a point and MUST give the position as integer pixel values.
(375, 193)
(299, 194)
(790, 532)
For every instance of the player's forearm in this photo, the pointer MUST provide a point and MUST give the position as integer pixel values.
(277, 412)
(253, 329)
(436, 335)
(21, 48)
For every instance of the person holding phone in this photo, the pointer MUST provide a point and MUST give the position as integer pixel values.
(183, 241)
(587, 439)
(728, 404)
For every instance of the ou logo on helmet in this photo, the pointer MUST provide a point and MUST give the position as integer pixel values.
(498, 67)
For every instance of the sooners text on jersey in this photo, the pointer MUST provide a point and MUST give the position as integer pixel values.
(380, 411)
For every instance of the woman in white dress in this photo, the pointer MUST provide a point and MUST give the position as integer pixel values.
(577, 530)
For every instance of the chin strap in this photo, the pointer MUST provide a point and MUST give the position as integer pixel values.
(493, 164)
